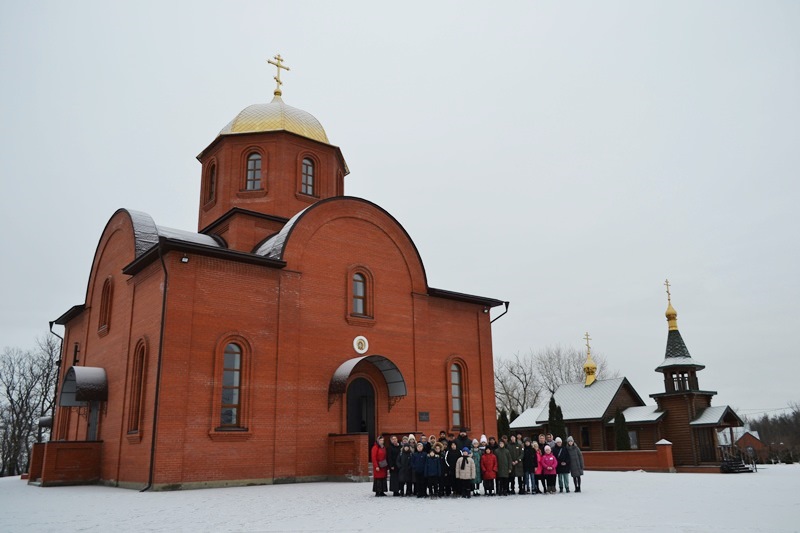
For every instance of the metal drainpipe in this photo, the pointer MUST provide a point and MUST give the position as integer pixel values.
(501, 314)
(158, 367)
(58, 376)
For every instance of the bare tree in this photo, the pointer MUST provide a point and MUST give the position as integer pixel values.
(27, 380)
(525, 381)
(516, 386)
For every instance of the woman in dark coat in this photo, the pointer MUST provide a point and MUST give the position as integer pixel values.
(529, 463)
(575, 462)
(403, 471)
(503, 468)
(563, 470)
(380, 468)
(392, 453)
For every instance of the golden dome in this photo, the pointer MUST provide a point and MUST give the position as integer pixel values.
(276, 116)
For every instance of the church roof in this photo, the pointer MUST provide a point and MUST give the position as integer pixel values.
(146, 233)
(641, 414)
(715, 416)
(677, 354)
(579, 402)
(724, 435)
(276, 116)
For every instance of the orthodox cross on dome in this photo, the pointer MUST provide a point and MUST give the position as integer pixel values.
(278, 63)
(589, 367)
(669, 296)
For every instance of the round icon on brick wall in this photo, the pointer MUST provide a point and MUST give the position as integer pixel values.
(361, 344)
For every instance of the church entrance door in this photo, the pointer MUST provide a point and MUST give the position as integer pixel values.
(361, 409)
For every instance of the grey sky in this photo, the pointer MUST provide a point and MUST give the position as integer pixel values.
(565, 156)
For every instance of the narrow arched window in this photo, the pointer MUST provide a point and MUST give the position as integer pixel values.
(253, 182)
(211, 184)
(307, 186)
(136, 388)
(231, 386)
(104, 320)
(359, 294)
(456, 396)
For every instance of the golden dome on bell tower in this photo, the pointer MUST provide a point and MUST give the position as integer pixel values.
(276, 115)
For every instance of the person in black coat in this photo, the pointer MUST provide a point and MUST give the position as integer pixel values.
(392, 453)
(403, 471)
(451, 455)
(563, 469)
(529, 463)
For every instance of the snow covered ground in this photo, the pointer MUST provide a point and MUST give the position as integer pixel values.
(610, 501)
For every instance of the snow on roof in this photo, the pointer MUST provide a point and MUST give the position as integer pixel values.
(146, 233)
(641, 414)
(579, 402)
(723, 435)
(527, 419)
(712, 416)
(187, 236)
(273, 247)
(679, 361)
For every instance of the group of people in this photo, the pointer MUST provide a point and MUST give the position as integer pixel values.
(457, 466)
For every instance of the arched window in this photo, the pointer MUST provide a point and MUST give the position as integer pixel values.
(211, 184)
(307, 185)
(136, 388)
(253, 182)
(230, 412)
(359, 294)
(104, 320)
(456, 396)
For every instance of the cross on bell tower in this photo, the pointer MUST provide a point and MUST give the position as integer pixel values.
(279, 64)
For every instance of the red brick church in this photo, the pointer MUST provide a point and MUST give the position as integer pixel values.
(272, 344)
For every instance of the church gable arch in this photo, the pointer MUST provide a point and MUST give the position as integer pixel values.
(291, 242)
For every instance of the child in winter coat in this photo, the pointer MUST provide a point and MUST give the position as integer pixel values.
(538, 477)
(488, 471)
(418, 459)
(433, 471)
(549, 464)
(477, 453)
(465, 473)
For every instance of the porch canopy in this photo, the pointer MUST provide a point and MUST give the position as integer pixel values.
(394, 378)
(83, 384)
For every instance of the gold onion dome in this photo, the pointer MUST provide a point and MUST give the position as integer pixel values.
(276, 116)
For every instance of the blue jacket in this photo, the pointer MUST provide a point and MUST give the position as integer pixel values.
(433, 466)
(418, 462)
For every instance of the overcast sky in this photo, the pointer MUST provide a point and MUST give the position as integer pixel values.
(565, 156)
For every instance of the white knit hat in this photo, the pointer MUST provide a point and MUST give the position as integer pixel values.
(483, 438)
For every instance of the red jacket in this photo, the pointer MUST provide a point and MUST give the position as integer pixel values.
(378, 455)
(538, 470)
(549, 464)
(489, 466)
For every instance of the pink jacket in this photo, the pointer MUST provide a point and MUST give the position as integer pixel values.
(549, 464)
(538, 470)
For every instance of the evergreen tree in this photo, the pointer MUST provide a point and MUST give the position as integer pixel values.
(555, 419)
(503, 427)
(513, 416)
(621, 431)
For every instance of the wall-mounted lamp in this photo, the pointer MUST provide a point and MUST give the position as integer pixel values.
(485, 309)
(185, 258)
